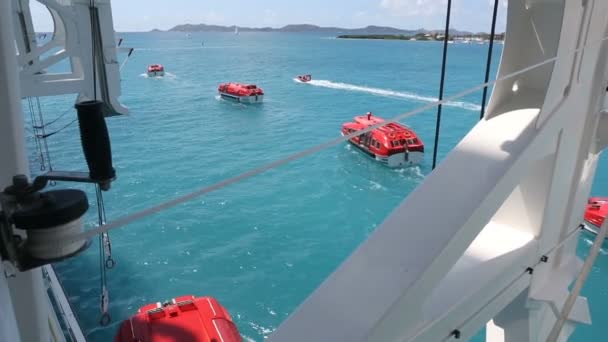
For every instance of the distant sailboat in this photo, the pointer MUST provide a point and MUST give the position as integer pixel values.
(236, 30)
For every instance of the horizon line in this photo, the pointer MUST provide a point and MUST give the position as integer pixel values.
(301, 24)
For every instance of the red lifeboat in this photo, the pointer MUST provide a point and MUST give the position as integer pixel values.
(184, 319)
(393, 144)
(247, 93)
(304, 78)
(156, 70)
(595, 213)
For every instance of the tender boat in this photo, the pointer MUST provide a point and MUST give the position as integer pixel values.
(392, 144)
(155, 70)
(595, 213)
(305, 78)
(184, 319)
(246, 93)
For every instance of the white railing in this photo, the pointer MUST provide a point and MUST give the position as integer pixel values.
(70, 329)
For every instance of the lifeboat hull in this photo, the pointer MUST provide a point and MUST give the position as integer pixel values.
(156, 73)
(401, 159)
(184, 319)
(243, 99)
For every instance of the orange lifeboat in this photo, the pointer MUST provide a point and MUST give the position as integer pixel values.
(156, 70)
(246, 93)
(393, 144)
(184, 319)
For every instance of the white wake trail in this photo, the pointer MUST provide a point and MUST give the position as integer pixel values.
(388, 93)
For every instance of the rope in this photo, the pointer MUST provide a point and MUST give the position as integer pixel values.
(124, 220)
(44, 136)
(489, 59)
(578, 285)
(57, 131)
(105, 260)
(442, 81)
(93, 48)
(56, 119)
(126, 59)
(34, 121)
(105, 250)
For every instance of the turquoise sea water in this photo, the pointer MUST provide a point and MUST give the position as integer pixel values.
(263, 245)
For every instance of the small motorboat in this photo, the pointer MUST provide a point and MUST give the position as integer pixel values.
(393, 144)
(304, 78)
(155, 70)
(595, 213)
(245, 93)
(184, 319)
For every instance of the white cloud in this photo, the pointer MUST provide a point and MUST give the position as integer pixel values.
(414, 7)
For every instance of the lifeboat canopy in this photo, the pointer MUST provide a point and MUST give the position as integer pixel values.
(241, 92)
(184, 319)
(393, 144)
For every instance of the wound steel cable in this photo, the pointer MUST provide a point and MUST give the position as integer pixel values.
(44, 135)
(489, 60)
(442, 80)
(55, 119)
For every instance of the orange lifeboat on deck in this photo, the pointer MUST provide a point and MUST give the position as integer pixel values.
(246, 93)
(595, 213)
(184, 319)
(393, 144)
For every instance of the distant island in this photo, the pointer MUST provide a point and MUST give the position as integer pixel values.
(303, 28)
(427, 36)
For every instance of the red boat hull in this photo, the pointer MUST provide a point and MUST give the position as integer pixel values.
(184, 319)
(305, 78)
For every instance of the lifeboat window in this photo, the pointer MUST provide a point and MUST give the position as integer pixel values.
(410, 142)
(373, 143)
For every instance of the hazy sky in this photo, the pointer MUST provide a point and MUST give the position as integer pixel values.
(144, 15)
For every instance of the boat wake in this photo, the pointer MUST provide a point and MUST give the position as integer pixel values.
(387, 93)
(167, 75)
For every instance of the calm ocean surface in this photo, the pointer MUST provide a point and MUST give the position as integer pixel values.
(263, 245)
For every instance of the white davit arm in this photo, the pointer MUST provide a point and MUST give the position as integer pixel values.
(72, 52)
